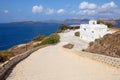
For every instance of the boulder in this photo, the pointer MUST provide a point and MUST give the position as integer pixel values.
(69, 46)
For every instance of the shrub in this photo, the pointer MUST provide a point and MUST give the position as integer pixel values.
(100, 22)
(38, 38)
(5, 55)
(110, 25)
(62, 28)
(52, 39)
(77, 34)
(99, 40)
(59, 31)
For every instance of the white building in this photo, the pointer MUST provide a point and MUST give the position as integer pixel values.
(89, 32)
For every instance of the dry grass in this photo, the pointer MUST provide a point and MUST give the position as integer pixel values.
(115, 29)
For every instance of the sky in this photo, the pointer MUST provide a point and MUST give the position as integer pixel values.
(41, 10)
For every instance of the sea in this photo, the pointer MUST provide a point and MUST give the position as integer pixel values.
(14, 34)
(117, 25)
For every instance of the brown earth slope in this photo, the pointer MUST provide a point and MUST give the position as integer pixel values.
(108, 45)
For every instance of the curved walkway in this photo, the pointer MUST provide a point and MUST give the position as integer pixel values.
(56, 63)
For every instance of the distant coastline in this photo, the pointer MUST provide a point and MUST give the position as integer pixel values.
(11, 35)
(67, 21)
(27, 22)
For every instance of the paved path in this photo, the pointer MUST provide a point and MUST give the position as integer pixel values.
(57, 63)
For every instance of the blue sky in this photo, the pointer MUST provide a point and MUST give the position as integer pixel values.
(40, 10)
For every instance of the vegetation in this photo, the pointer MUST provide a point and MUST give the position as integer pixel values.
(52, 39)
(77, 34)
(39, 38)
(100, 22)
(5, 55)
(110, 25)
(99, 40)
(62, 28)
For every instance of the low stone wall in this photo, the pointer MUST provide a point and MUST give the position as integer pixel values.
(115, 62)
(14, 60)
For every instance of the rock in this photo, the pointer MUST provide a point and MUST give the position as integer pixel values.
(108, 45)
(69, 46)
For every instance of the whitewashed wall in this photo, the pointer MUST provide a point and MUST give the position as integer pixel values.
(91, 32)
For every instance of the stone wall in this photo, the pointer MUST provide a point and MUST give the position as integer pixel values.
(115, 62)
(14, 60)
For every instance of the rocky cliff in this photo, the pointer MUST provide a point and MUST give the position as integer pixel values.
(108, 45)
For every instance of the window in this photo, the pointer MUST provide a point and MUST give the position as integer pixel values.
(93, 22)
(84, 28)
(92, 31)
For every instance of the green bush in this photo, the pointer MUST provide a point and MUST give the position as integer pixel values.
(59, 31)
(110, 25)
(98, 40)
(5, 55)
(100, 22)
(62, 28)
(52, 39)
(77, 34)
(38, 38)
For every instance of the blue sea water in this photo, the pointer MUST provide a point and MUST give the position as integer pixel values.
(13, 34)
(117, 25)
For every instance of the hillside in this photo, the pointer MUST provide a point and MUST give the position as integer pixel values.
(28, 22)
(75, 21)
(108, 45)
(67, 21)
(113, 21)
